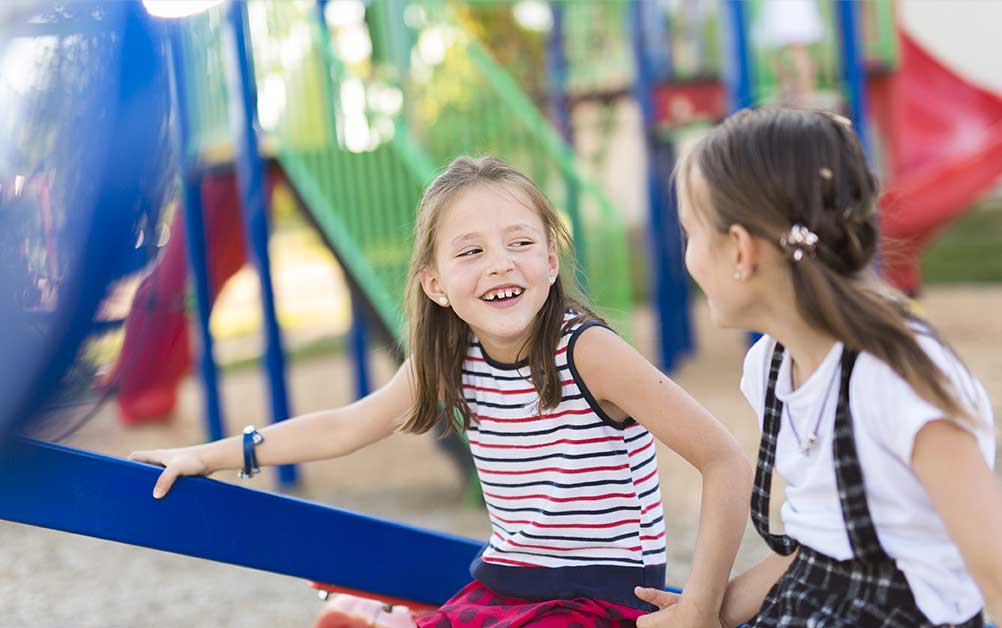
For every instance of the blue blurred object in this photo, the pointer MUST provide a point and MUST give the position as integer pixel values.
(85, 166)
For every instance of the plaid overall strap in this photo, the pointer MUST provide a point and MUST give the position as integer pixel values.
(779, 543)
(849, 475)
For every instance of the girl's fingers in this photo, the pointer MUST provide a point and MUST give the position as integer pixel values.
(656, 597)
(164, 482)
(148, 457)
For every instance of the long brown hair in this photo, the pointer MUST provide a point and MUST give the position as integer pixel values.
(439, 339)
(772, 168)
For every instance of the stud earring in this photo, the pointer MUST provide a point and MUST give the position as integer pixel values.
(443, 301)
(738, 275)
(552, 278)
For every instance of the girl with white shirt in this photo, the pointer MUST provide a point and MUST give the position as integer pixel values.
(884, 438)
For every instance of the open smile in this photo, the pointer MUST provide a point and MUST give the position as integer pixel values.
(503, 296)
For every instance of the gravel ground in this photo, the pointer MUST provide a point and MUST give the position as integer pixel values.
(50, 579)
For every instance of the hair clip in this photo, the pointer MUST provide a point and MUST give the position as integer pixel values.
(835, 117)
(797, 240)
(826, 173)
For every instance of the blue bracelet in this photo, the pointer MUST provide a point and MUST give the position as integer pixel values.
(252, 438)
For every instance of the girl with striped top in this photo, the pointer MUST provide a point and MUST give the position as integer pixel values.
(885, 439)
(562, 417)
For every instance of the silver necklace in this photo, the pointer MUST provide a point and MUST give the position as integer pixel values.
(805, 445)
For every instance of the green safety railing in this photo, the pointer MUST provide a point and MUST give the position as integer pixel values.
(360, 137)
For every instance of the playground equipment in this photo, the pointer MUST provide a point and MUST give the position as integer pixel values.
(99, 182)
(943, 149)
(693, 63)
(357, 139)
(84, 174)
(91, 143)
(687, 65)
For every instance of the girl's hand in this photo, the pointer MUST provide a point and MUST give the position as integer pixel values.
(181, 461)
(675, 611)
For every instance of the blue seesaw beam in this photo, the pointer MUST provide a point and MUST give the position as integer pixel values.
(77, 491)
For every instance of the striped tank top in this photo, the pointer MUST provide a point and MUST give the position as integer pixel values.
(573, 496)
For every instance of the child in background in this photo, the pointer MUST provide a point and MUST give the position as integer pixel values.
(787, 29)
(561, 415)
(883, 436)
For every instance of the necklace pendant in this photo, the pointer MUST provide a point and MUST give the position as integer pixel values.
(810, 443)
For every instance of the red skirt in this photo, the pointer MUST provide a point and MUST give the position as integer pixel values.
(476, 606)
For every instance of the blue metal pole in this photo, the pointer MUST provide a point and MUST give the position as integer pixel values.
(556, 65)
(359, 344)
(669, 283)
(250, 174)
(853, 72)
(194, 234)
(739, 79)
(359, 334)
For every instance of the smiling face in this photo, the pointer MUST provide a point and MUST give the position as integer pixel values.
(493, 262)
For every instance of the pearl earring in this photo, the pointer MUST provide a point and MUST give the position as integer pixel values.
(737, 274)
(443, 301)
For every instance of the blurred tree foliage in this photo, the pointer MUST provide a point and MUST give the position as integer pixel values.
(522, 52)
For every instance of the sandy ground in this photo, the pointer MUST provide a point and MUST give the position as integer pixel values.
(51, 579)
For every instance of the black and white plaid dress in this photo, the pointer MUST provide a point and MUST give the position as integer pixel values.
(817, 591)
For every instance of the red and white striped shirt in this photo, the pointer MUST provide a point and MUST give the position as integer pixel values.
(566, 488)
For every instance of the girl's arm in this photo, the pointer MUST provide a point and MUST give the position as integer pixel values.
(314, 436)
(617, 374)
(743, 599)
(746, 593)
(949, 464)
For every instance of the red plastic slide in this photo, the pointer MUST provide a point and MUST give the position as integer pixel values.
(943, 136)
(156, 354)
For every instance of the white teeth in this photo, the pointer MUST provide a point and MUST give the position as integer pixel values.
(505, 293)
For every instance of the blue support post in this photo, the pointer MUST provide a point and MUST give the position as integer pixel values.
(669, 283)
(359, 333)
(556, 66)
(194, 235)
(853, 72)
(250, 175)
(360, 344)
(739, 78)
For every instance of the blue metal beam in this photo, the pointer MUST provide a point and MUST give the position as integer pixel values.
(85, 493)
(668, 276)
(359, 335)
(853, 72)
(739, 77)
(194, 236)
(560, 114)
(250, 175)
